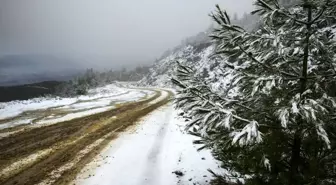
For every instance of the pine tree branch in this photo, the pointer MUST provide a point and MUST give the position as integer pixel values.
(319, 76)
(320, 13)
(259, 36)
(281, 12)
(235, 102)
(272, 127)
(296, 20)
(264, 65)
(216, 106)
(317, 17)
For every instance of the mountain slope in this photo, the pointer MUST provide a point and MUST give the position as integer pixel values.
(194, 51)
(197, 55)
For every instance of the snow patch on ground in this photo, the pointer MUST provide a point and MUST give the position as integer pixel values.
(149, 154)
(164, 94)
(15, 108)
(49, 110)
(74, 115)
(23, 162)
(15, 123)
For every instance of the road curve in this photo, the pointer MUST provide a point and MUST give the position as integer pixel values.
(54, 154)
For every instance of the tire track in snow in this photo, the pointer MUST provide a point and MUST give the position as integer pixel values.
(30, 176)
(152, 172)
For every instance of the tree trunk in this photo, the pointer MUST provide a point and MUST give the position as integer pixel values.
(295, 159)
(294, 176)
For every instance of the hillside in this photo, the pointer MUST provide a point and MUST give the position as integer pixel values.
(197, 55)
(195, 51)
(162, 70)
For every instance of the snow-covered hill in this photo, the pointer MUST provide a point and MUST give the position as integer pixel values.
(195, 51)
(198, 56)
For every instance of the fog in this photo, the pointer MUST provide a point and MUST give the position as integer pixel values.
(104, 32)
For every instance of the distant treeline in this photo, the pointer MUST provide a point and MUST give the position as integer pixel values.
(91, 79)
(28, 91)
(77, 86)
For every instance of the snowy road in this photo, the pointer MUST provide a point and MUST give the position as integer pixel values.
(55, 153)
(138, 142)
(16, 115)
(148, 154)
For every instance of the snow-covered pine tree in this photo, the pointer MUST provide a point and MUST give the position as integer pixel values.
(275, 121)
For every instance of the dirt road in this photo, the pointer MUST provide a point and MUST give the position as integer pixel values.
(54, 154)
(151, 153)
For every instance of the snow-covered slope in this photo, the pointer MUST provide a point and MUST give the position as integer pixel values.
(199, 56)
(196, 51)
(162, 71)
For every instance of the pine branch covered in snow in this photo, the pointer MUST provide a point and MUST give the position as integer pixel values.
(277, 113)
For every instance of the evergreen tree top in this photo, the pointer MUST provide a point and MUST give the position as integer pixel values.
(278, 112)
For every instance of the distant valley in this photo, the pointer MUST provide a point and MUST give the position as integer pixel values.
(27, 69)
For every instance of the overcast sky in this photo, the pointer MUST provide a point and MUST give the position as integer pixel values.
(104, 31)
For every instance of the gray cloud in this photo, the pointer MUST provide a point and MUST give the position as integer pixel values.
(117, 32)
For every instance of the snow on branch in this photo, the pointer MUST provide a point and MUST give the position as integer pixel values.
(267, 108)
(248, 135)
